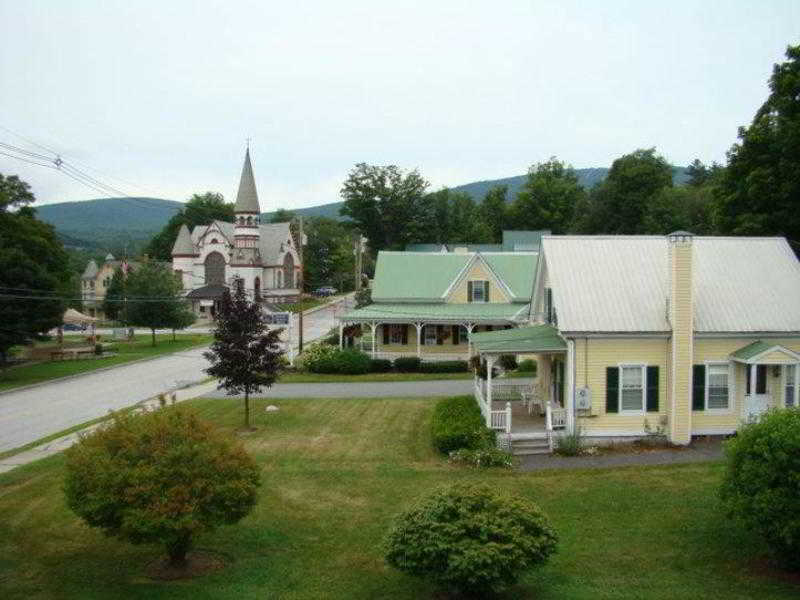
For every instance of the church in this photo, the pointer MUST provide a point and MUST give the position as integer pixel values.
(263, 256)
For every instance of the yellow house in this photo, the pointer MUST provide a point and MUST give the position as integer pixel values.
(426, 304)
(677, 335)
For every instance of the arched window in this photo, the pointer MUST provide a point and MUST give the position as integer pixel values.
(214, 240)
(278, 278)
(257, 289)
(215, 269)
(249, 220)
(288, 270)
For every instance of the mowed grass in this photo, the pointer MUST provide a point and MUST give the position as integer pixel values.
(368, 377)
(335, 473)
(125, 352)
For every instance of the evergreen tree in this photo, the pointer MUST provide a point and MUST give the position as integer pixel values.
(154, 299)
(245, 354)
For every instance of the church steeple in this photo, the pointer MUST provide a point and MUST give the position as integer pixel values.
(247, 198)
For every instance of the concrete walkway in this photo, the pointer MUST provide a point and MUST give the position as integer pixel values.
(697, 452)
(378, 389)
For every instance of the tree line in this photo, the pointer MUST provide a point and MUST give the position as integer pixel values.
(755, 193)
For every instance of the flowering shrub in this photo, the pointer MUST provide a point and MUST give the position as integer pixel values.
(482, 457)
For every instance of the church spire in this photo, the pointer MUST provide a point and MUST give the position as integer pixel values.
(247, 198)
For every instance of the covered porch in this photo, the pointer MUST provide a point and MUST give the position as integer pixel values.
(771, 378)
(523, 408)
(427, 331)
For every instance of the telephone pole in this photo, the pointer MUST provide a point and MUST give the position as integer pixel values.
(301, 241)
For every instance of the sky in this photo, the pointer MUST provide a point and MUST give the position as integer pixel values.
(158, 98)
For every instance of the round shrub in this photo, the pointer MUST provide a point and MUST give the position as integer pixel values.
(761, 484)
(160, 477)
(316, 357)
(471, 540)
(508, 362)
(350, 362)
(483, 457)
(527, 366)
(444, 366)
(407, 364)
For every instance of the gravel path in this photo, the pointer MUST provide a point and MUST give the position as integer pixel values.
(697, 452)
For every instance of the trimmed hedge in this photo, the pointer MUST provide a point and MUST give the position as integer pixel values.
(325, 359)
(527, 366)
(457, 423)
(379, 365)
(444, 366)
(407, 364)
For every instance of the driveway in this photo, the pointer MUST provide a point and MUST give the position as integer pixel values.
(30, 414)
(382, 389)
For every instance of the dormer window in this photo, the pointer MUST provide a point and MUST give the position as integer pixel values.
(477, 291)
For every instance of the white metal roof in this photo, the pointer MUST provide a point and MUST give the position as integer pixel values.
(621, 283)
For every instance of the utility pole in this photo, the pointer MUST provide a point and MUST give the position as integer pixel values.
(301, 241)
(358, 250)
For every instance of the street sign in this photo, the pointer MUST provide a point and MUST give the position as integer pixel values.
(278, 318)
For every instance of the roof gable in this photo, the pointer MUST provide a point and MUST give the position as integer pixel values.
(415, 276)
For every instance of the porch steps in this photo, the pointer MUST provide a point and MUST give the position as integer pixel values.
(524, 447)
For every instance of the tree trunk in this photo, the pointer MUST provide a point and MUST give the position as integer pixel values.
(154, 336)
(247, 408)
(178, 549)
(173, 336)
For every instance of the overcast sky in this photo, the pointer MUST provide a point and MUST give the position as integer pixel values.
(162, 95)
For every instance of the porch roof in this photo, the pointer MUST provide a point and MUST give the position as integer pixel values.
(405, 313)
(534, 338)
(756, 350)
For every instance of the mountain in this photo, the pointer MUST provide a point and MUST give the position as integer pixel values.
(112, 223)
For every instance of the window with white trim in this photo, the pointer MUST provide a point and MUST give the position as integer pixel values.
(631, 389)
(429, 335)
(717, 386)
(480, 291)
(790, 385)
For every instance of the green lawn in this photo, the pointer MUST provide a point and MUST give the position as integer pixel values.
(126, 352)
(335, 472)
(303, 305)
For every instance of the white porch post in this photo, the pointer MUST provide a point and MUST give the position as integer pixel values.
(753, 386)
(489, 366)
(508, 417)
(469, 327)
(374, 328)
(341, 332)
(569, 375)
(418, 327)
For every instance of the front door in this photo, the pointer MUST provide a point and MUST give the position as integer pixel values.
(757, 400)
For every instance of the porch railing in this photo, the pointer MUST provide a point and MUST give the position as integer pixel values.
(499, 420)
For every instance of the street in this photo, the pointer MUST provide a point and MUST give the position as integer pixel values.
(30, 414)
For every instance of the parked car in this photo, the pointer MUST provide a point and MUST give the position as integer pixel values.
(73, 327)
(325, 290)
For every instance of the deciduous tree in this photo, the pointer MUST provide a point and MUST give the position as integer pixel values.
(245, 354)
(548, 198)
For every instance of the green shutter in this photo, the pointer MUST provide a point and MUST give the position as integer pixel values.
(486, 291)
(761, 379)
(440, 335)
(454, 334)
(652, 389)
(612, 389)
(698, 387)
(469, 291)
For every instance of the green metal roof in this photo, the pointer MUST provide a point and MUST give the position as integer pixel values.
(518, 240)
(441, 312)
(751, 350)
(534, 338)
(425, 277)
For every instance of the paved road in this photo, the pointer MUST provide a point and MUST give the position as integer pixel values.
(453, 387)
(31, 414)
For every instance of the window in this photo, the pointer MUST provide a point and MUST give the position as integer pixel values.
(478, 291)
(631, 390)
(429, 335)
(396, 334)
(717, 386)
(460, 335)
(790, 389)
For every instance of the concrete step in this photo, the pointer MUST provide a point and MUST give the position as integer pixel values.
(529, 451)
(524, 447)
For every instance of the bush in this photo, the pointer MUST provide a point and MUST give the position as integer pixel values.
(483, 457)
(761, 484)
(444, 366)
(527, 366)
(483, 372)
(407, 364)
(569, 444)
(146, 479)
(321, 358)
(508, 362)
(98, 349)
(377, 365)
(472, 540)
(457, 423)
